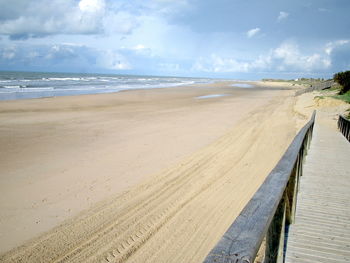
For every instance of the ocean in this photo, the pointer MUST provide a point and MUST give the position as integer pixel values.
(29, 85)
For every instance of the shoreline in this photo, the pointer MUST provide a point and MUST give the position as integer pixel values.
(61, 159)
(86, 92)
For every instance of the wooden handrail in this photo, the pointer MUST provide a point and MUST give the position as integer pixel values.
(269, 210)
(344, 126)
(318, 86)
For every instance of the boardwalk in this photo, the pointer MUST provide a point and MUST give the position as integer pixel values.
(321, 232)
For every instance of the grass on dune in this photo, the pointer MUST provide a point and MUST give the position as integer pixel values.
(345, 97)
(333, 92)
(330, 93)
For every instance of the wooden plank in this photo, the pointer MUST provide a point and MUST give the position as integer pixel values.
(321, 232)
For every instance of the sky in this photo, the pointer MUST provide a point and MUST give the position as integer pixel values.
(250, 39)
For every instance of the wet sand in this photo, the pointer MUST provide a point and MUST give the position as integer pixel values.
(139, 176)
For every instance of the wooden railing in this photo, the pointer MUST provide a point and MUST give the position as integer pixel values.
(268, 212)
(344, 126)
(319, 86)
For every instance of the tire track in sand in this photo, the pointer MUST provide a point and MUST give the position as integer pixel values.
(178, 215)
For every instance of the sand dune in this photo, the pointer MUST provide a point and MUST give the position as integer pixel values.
(180, 213)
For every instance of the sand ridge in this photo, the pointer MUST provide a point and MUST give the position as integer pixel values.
(62, 155)
(179, 214)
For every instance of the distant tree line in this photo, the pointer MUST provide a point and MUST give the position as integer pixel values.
(343, 78)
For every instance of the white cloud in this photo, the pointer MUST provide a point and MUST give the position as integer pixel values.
(282, 15)
(285, 58)
(9, 53)
(55, 17)
(291, 59)
(139, 47)
(218, 64)
(65, 56)
(21, 19)
(120, 22)
(253, 32)
(332, 45)
(112, 59)
(61, 52)
(91, 6)
(33, 54)
(42, 17)
(167, 7)
(169, 67)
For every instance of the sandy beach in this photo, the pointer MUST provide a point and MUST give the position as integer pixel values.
(139, 176)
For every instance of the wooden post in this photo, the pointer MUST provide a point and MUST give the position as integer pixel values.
(344, 127)
(300, 162)
(275, 235)
(308, 139)
(291, 193)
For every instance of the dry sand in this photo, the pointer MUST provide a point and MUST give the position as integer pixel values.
(327, 108)
(138, 176)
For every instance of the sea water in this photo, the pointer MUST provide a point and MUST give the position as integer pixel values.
(211, 96)
(26, 85)
(243, 85)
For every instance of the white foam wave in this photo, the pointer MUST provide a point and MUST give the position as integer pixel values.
(67, 85)
(12, 87)
(38, 88)
(65, 79)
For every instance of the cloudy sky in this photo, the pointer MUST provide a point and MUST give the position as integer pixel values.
(246, 39)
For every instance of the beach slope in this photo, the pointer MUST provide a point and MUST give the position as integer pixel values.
(141, 176)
